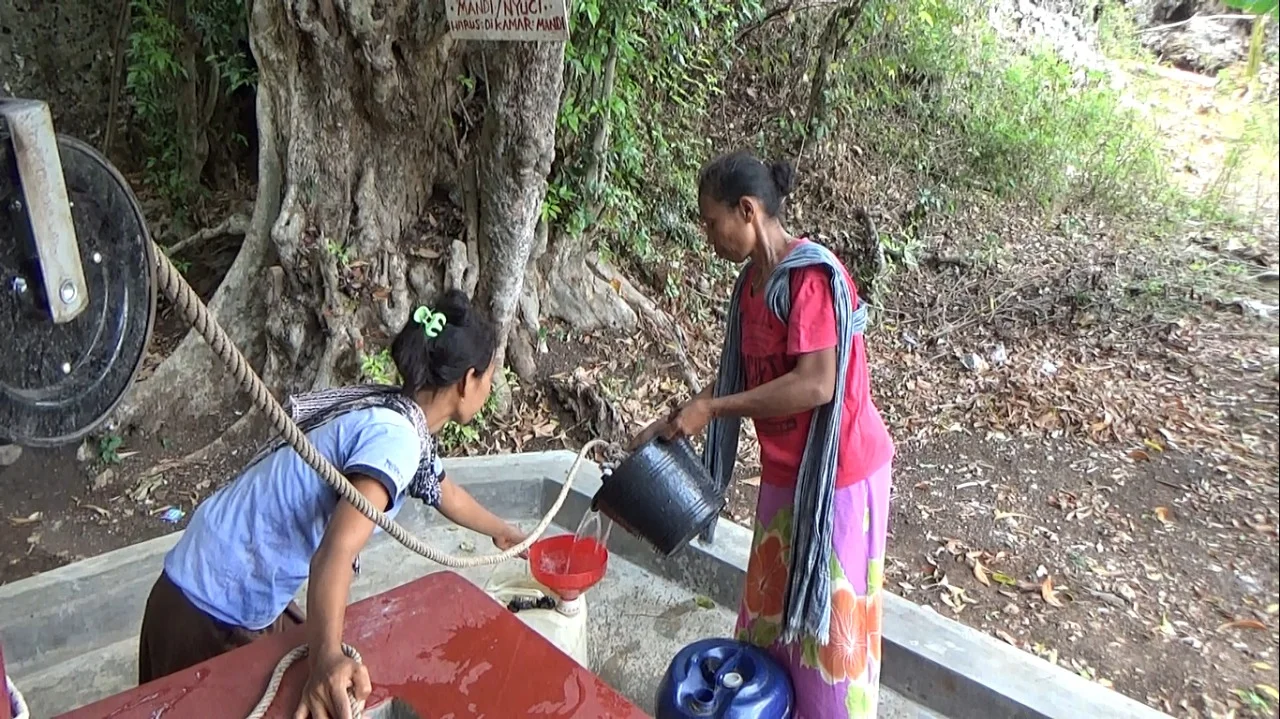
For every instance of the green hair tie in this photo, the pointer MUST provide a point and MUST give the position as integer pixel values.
(432, 322)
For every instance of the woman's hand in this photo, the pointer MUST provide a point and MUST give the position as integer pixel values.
(335, 678)
(656, 428)
(508, 537)
(690, 420)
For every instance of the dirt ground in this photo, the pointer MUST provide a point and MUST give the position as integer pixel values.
(1092, 561)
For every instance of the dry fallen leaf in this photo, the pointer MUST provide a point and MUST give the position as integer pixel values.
(1006, 637)
(1004, 579)
(1269, 691)
(1244, 624)
(1139, 455)
(752, 481)
(29, 519)
(980, 573)
(1164, 515)
(1049, 594)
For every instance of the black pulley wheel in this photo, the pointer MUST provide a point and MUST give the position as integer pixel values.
(59, 382)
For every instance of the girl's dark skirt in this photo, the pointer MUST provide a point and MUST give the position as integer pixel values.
(176, 634)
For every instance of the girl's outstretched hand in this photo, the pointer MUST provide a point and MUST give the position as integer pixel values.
(509, 537)
(332, 678)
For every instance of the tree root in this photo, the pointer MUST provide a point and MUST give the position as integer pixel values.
(594, 413)
(235, 224)
(521, 353)
(237, 435)
(666, 329)
(191, 380)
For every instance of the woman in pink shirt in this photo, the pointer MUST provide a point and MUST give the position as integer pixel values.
(789, 371)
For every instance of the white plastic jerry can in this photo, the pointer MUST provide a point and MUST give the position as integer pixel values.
(563, 623)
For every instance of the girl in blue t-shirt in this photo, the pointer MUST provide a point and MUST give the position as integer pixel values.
(248, 549)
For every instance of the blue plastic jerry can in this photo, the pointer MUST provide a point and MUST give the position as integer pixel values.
(724, 679)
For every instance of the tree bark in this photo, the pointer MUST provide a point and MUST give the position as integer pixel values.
(353, 133)
(837, 33)
(517, 146)
(363, 134)
(354, 128)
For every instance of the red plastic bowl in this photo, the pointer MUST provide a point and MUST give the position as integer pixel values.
(552, 558)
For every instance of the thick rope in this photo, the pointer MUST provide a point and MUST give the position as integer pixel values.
(194, 311)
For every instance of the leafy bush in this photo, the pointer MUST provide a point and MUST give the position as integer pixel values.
(160, 62)
(926, 84)
(943, 94)
(648, 71)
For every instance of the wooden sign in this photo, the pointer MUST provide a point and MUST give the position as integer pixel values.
(508, 19)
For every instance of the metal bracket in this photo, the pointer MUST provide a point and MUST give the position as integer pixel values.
(47, 207)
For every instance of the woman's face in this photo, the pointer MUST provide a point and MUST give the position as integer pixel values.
(731, 229)
(476, 389)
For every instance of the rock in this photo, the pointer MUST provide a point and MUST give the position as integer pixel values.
(103, 480)
(9, 454)
(1067, 26)
(1202, 45)
(999, 356)
(86, 452)
(974, 362)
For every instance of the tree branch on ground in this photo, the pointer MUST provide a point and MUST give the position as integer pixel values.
(235, 224)
(791, 7)
(666, 330)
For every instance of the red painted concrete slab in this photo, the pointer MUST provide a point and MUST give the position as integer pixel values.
(438, 643)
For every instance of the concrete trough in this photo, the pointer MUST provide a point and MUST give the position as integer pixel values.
(70, 634)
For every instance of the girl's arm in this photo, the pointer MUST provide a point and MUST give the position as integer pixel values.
(333, 675)
(463, 510)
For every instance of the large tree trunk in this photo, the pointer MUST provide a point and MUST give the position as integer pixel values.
(360, 92)
(353, 115)
(352, 106)
(517, 145)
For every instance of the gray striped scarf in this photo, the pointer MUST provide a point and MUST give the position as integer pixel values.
(313, 409)
(808, 597)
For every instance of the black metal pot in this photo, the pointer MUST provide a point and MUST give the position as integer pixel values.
(662, 494)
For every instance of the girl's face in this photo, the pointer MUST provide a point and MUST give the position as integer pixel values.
(732, 230)
(473, 392)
